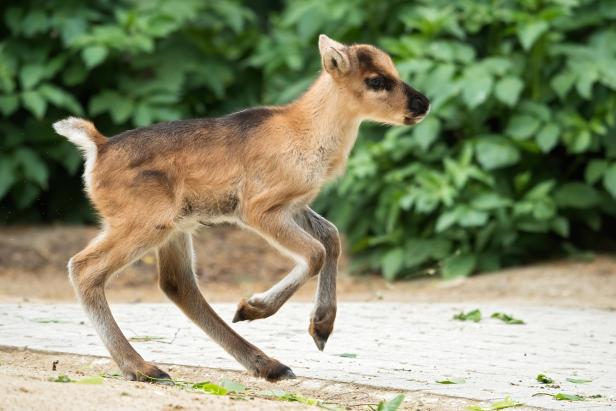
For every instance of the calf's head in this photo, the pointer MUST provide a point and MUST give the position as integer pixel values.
(371, 83)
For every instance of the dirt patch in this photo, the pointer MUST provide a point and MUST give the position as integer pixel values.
(233, 263)
(24, 384)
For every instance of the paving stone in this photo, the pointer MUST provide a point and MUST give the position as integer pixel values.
(402, 346)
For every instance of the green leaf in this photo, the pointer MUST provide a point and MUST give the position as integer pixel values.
(544, 379)
(460, 265)
(34, 101)
(210, 388)
(391, 405)
(426, 132)
(8, 104)
(576, 195)
(562, 83)
(233, 386)
(529, 33)
(30, 75)
(595, 169)
(506, 318)
(33, 167)
(496, 152)
(578, 380)
(94, 380)
(609, 180)
(474, 316)
(508, 90)
(7, 175)
(490, 201)
(568, 397)
(522, 126)
(477, 86)
(61, 378)
(121, 110)
(506, 403)
(452, 381)
(548, 137)
(347, 355)
(392, 263)
(94, 55)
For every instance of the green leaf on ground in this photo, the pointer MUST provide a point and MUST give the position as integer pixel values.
(544, 379)
(474, 315)
(94, 380)
(61, 378)
(579, 380)
(498, 405)
(568, 397)
(233, 386)
(452, 381)
(291, 397)
(347, 355)
(391, 405)
(210, 388)
(507, 318)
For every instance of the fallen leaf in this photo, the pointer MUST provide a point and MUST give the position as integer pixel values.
(391, 405)
(507, 318)
(474, 315)
(579, 380)
(452, 381)
(568, 397)
(233, 386)
(544, 379)
(210, 388)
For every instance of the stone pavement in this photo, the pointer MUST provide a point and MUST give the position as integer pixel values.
(402, 346)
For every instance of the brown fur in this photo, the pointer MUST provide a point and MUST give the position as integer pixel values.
(259, 168)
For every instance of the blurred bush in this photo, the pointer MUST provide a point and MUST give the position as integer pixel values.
(516, 161)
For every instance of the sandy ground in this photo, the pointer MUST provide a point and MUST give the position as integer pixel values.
(25, 384)
(232, 264)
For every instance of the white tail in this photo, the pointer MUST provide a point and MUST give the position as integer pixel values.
(86, 137)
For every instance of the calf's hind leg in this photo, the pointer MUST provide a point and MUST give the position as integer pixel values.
(88, 272)
(177, 280)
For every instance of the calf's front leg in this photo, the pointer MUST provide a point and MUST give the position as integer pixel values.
(324, 312)
(281, 229)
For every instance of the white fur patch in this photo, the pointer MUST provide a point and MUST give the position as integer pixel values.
(74, 129)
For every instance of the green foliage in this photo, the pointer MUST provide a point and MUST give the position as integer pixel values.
(518, 154)
(517, 157)
(122, 64)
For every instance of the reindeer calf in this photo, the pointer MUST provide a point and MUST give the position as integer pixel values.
(258, 168)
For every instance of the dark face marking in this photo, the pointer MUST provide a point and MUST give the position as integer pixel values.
(365, 61)
(377, 82)
(380, 82)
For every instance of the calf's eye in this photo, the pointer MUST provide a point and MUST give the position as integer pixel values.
(378, 83)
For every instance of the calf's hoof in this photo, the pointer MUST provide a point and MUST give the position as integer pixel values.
(148, 373)
(321, 326)
(273, 370)
(248, 311)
